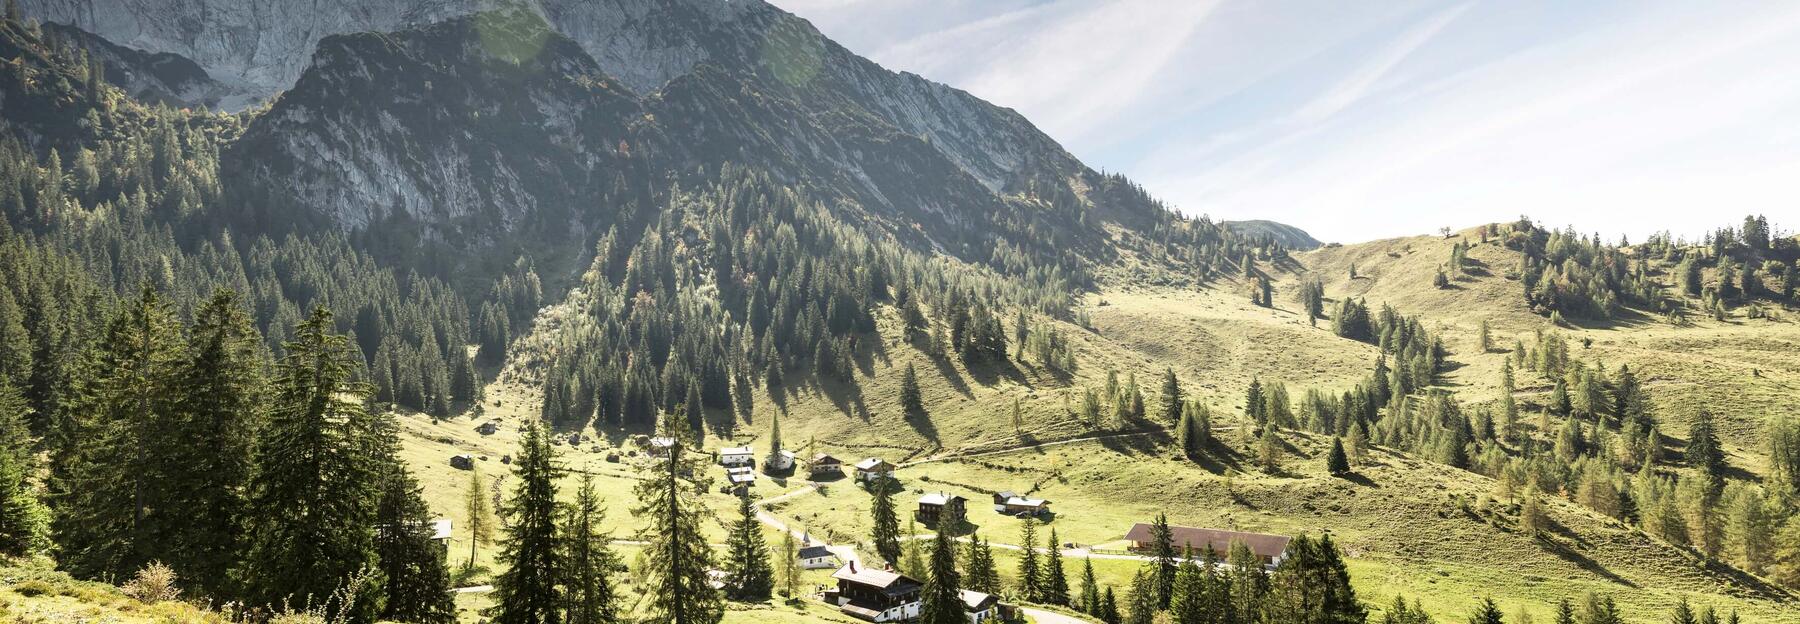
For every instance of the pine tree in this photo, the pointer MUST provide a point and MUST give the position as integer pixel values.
(1253, 401)
(1565, 612)
(774, 440)
(670, 508)
(912, 559)
(1187, 431)
(317, 460)
(1031, 575)
(1487, 613)
(886, 535)
(942, 596)
(1188, 601)
(1337, 463)
(476, 515)
(1056, 581)
(1090, 589)
(1682, 613)
(222, 394)
(751, 579)
(1142, 599)
(24, 522)
(1312, 586)
(115, 510)
(588, 560)
(911, 402)
(1703, 449)
(1109, 607)
(1163, 559)
(417, 585)
(527, 590)
(979, 573)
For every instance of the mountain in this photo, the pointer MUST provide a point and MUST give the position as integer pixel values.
(156, 78)
(1286, 235)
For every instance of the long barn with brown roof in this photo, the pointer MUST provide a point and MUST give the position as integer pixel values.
(1271, 549)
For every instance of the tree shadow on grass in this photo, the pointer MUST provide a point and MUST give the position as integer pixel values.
(1582, 561)
(947, 370)
(921, 423)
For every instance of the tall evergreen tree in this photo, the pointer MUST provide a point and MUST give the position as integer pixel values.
(1056, 581)
(1311, 586)
(911, 401)
(1487, 613)
(979, 573)
(1141, 602)
(1171, 396)
(114, 508)
(886, 535)
(1031, 575)
(1109, 608)
(942, 596)
(1163, 560)
(588, 560)
(24, 521)
(317, 477)
(1337, 462)
(678, 556)
(527, 590)
(1703, 449)
(751, 578)
(416, 582)
(1089, 602)
(790, 566)
(222, 394)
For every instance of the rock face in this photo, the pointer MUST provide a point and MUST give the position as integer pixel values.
(160, 77)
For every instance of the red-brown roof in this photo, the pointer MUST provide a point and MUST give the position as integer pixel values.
(1262, 544)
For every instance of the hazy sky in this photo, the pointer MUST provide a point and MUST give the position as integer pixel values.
(1361, 120)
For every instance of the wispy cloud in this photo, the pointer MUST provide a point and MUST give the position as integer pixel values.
(1365, 120)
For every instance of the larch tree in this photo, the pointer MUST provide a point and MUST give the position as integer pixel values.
(477, 517)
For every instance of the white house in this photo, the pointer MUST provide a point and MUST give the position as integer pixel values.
(874, 468)
(980, 607)
(817, 558)
(779, 460)
(737, 456)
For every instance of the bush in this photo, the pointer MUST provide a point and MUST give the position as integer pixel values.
(31, 588)
(154, 583)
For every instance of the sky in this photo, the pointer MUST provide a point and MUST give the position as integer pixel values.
(1366, 120)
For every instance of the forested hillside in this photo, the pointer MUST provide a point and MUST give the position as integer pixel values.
(244, 356)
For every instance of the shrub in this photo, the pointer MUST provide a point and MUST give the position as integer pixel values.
(154, 583)
(34, 587)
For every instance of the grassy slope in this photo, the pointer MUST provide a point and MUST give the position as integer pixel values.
(1409, 526)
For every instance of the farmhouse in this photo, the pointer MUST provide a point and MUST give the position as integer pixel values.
(1271, 549)
(1014, 505)
(980, 607)
(659, 446)
(739, 479)
(874, 468)
(779, 460)
(462, 462)
(823, 465)
(941, 507)
(488, 428)
(737, 456)
(875, 595)
(817, 558)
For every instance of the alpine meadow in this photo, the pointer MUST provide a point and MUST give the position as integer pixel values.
(681, 312)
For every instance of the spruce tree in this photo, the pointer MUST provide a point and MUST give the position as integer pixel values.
(1031, 575)
(1337, 463)
(1487, 613)
(911, 402)
(588, 560)
(1141, 602)
(312, 499)
(1109, 607)
(1565, 612)
(942, 596)
(979, 573)
(677, 553)
(417, 584)
(115, 510)
(1681, 614)
(886, 535)
(751, 578)
(774, 440)
(223, 396)
(1162, 560)
(24, 522)
(1311, 586)
(1703, 450)
(1056, 581)
(912, 558)
(1089, 602)
(527, 590)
